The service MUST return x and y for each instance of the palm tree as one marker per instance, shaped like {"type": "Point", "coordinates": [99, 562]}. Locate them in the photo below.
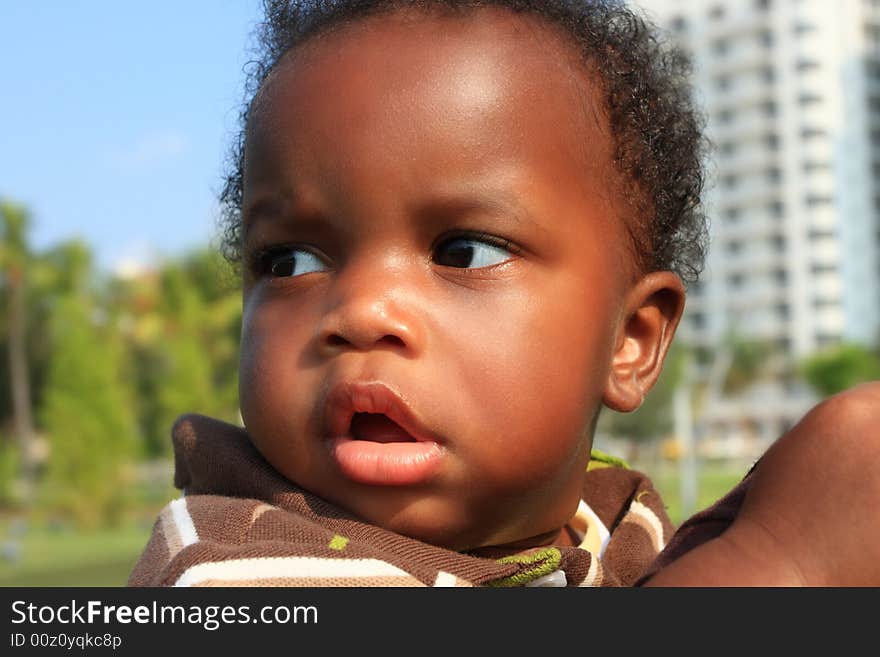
{"type": "Point", "coordinates": [14, 256]}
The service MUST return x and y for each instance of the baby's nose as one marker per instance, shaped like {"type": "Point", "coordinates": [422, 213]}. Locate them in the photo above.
{"type": "Point", "coordinates": [369, 312]}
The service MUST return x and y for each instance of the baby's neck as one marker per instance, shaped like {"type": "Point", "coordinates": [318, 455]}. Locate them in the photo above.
{"type": "Point", "coordinates": [558, 537]}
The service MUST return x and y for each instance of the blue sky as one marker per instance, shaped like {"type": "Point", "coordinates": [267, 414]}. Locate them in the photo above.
{"type": "Point", "coordinates": [115, 118]}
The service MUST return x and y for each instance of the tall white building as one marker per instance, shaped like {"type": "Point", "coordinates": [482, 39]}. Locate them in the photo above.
{"type": "Point", "coordinates": [791, 89]}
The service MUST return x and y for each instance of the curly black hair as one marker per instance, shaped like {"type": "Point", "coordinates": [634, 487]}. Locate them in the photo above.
{"type": "Point", "coordinates": [657, 133]}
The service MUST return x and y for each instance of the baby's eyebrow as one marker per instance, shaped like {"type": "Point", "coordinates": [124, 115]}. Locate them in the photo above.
{"type": "Point", "coordinates": [430, 207]}
{"type": "Point", "coordinates": [261, 209]}
{"type": "Point", "coordinates": [478, 200]}
{"type": "Point", "coordinates": [273, 207]}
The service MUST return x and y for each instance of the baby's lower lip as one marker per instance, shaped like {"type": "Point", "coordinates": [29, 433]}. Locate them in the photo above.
{"type": "Point", "coordinates": [386, 463]}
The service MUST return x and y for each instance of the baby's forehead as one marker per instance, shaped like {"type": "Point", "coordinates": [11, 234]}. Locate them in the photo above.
{"type": "Point", "coordinates": [485, 55]}
{"type": "Point", "coordinates": [485, 81]}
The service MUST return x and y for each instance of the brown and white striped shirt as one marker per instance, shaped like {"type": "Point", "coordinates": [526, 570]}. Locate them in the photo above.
{"type": "Point", "coordinates": [240, 523]}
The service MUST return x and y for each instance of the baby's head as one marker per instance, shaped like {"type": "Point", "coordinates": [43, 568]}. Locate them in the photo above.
{"type": "Point", "coordinates": [464, 227]}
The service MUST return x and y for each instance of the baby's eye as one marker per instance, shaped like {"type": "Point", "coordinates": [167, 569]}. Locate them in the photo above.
{"type": "Point", "coordinates": [292, 261]}
{"type": "Point", "coordinates": [472, 252]}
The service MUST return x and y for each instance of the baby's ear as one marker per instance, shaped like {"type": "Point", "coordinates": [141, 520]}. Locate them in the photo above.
{"type": "Point", "coordinates": [653, 309]}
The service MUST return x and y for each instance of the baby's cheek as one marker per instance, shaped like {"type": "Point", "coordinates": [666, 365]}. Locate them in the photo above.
{"type": "Point", "coordinates": [265, 378]}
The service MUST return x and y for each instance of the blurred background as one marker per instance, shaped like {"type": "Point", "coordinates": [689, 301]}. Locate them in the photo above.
{"type": "Point", "coordinates": [117, 314]}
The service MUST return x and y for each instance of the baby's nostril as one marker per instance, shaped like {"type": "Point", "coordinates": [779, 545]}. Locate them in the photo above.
{"type": "Point", "coordinates": [392, 340]}
{"type": "Point", "coordinates": [336, 340]}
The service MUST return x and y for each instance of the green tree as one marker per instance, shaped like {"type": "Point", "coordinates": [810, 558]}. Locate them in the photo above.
{"type": "Point", "coordinates": [14, 258]}
{"type": "Point", "coordinates": [87, 412]}
{"type": "Point", "coordinates": [840, 367]}
{"type": "Point", "coordinates": [183, 321]}
{"type": "Point", "coordinates": [653, 418]}
{"type": "Point", "coordinates": [750, 360]}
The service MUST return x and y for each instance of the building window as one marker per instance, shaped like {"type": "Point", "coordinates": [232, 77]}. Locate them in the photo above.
{"type": "Point", "coordinates": [717, 12]}
{"type": "Point", "coordinates": [825, 303]}
{"type": "Point", "coordinates": [803, 28]}
{"type": "Point", "coordinates": [780, 276]}
{"type": "Point", "coordinates": [821, 233]}
{"type": "Point", "coordinates": [783, 311]}
{"type": "Point", "coordinates": [776, 209]}
{"type": "Point", "coordinates": [810, 132]}
{"type": "Point", "coordinates": [773, 175]}
{"type": "Point", "coordinates": [679, 24]}
{"type": "Point", "coordinates": [821, 269]}
{"type": "Point", "coordinates": [778, 242]}
{"type": "Point", "coordinates": [735, 281]}
{"type": "Point", "coordinates": [722, 82]}
{"type": "Point", "coordinates": [728, 147]}
{"type": "Point", "coordinates": [730, 181]}
{"type": "Point", "coordinates": [732, 214]}
{"type": "Point", "coordinates": [812, 166]}
{"type": "Point", "coordinates": [762, 5]}
{"type": "Point", "coordinates": [771, 141]}
{"type": "Point", "coordinates": [720, 46]}
{"type": "Point", "coordinates": [804, 65]}
{"type": "Point", "coordinates": [815, 200]}
{"type": "Point", "coordinates": [734, 246]}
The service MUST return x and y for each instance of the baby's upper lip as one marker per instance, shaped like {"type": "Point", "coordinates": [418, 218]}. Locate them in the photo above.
{"type": "Point", "coordinates": [346, 398]}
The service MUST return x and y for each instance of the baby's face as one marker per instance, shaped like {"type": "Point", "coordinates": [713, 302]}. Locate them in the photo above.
{"type": "Point", "coordinates": [434, 275]}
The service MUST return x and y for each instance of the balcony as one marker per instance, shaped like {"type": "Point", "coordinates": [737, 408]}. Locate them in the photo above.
{"type": "Point", "coordinates": [824, 251]}
{"type": "Point", "coordinates": [756, 227]}
{"type": "Point", "coordinates": [828, 321]}
{"type": "Point", "coordinates": [752, 259]}
{"type": "Point", "coordinates": [750, 194]}
{"type": "Point", "coordinates": [817, 150]}
{"type": "Point", "coordinates": [764, 326]}
{"type": "Point", "coordinates": [739, 24]}
{"type": "Point", "coordinates": [747, 158]}
{"type": "Point", "coordinates": [745, 90]}
{"type": "Point", "coordinates": [746, 54]}
{"type": "Point", "coordinates": [752, 297]}
{"type": "Point", "coordinates": [825, 286]}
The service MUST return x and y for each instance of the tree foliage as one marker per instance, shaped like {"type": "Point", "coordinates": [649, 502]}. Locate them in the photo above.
{"type": "Point", "coordinates": [653, 418]}
{"type": "Point", "coordinates": [112, 360]}
{"type": "Point", "coordinates": [183, 323]}
{"type": "Point", "coordinates": [88, 416]}
{"type": "Point", "coordinates": [841, 367]}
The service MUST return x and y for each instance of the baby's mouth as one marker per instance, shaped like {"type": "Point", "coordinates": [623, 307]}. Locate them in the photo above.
{"type": "Point", "coordinates": [376, 439]}
{"type": "Point", "coordinates": [378, 428]}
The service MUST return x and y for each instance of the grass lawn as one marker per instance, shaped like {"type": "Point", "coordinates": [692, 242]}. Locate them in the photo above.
{"type": "Point", "coordinates": [64, 557]}
{"type": "Point", "coordinates": [714, 481]}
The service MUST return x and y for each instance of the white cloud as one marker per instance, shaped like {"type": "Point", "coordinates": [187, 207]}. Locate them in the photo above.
{"type": "Point", "coordinates": [134, 259]}
{"type": "Point", "coordinates": [150, 150]}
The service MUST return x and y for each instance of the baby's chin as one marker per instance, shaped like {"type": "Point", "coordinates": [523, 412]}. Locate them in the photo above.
{"type": "Point", "coordinates": [495, 544]}
{"type": "Point", "coordinates": [444, 524]}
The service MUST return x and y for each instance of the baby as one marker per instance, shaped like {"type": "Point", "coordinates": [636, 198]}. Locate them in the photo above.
{"type": "Point", "coordinates": [464, 229]}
